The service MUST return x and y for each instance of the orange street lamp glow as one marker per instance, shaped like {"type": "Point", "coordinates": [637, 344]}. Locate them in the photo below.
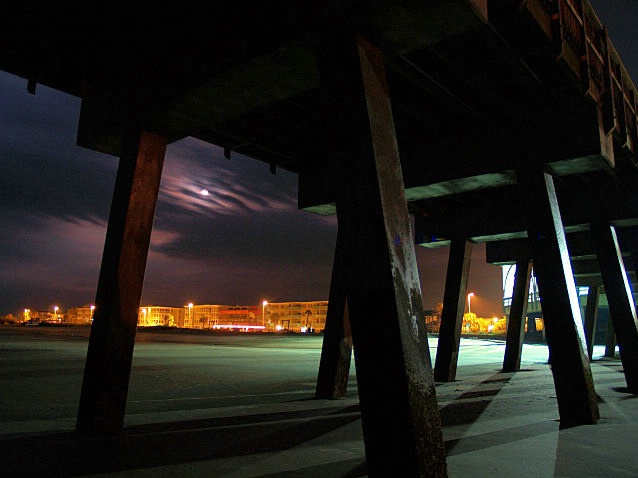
{"type": "Point", "coordinates": [469, 303]}
{"type": "Point", "coordinates": [190, 314]}
{"type": "Point", "coordinates": [263, 312]}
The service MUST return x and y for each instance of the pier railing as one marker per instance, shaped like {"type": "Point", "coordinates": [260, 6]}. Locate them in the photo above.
{"type": "Point", "coordinates": [583, 46]}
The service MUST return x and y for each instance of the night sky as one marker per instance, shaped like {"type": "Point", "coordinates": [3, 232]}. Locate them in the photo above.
{"type": "Point", "coordinates": [243, 242]}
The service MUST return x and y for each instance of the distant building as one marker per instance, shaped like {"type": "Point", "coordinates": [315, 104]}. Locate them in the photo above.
{"type": "Point", "coordinates": [432, 320]}
{"type": "Point", "coordinates": [296, 316]}
{"type": "Point", "coordinates": [216, 316]}
{"type": "Point", "coordinates": [37, 316]}
{"type": "Point", "coordinates": [160, 316]}
{"type": "Point", "coordinates": [270, 317]}
{"type": "Point", "coordinates": [238, 316]}
{"type": "Point", "coordinates": [79, 315]}
{"type": "Point", "coordinates": [299, 317]}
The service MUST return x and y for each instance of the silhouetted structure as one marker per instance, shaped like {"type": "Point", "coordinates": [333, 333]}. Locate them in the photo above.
{"type": "Point", "coordinates": [478, 116]}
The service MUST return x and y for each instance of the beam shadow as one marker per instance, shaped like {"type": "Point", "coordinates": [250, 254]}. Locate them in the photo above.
{"type": "Point", "coordinates": [68, 454]}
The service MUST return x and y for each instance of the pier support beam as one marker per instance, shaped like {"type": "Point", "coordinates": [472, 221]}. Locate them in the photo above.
{"type": "Point", "coordinates": [516, 319]}
{"type": "Point", "coordinates": [399, 411]}
{"type": "Point", "coordinates": [109, 356]}
{"type": "Point", "coordinates": [577, 400]}
{"type": "Point", "coordinates": [336, 350]}
{"type": "Point", "coordinates": [591, 314]}
{"type": "Point", "coordinates": [458, 270]}
{"type": "Point", "coordinates": [622, 310]}
{"type": "Point", "coordinates": [610, 339]}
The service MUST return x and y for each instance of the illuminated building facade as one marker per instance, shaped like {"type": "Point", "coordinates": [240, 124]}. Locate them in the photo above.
{"type": "Point", "coordinates": [238, 316]}
{"type": "Point", "coordinates": [201, 316]}
{"type": "Point", "coordinates": [215, 316]}
{"type": "Point", "coordinates": [270, 317]}
{"type": "Point", "coordinates": [46, 316]}
{"type": "Point", "coordinates": [296, 316]}
{"type": "Point", "coordinates": [300, 317]}
{"type": "Point", "coordinates": [160, 316]}
{"type": "Point", "coordinates": [79, 315]}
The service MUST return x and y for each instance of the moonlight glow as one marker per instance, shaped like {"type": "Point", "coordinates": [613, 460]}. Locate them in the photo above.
{"type": "Point", "coordinates": [204, 192]}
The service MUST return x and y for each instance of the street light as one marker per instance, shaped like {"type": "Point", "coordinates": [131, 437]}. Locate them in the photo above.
{"type": "Point", "coordinates": [469, 304]}
{"type": "Point", "coordinates": [92, 309]}
{"type": "Point", "coordinates": [263, 312]}
{"type": "Point", "coordinates": [190, 314]}
{"type": "Point", "coordinates": [55, 312]}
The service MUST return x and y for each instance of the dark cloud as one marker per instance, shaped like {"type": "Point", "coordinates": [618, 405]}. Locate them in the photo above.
{"type": "Point", "coordinates": [44, 172]}
{"type": "Point", "coordinates": [242, 242]}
